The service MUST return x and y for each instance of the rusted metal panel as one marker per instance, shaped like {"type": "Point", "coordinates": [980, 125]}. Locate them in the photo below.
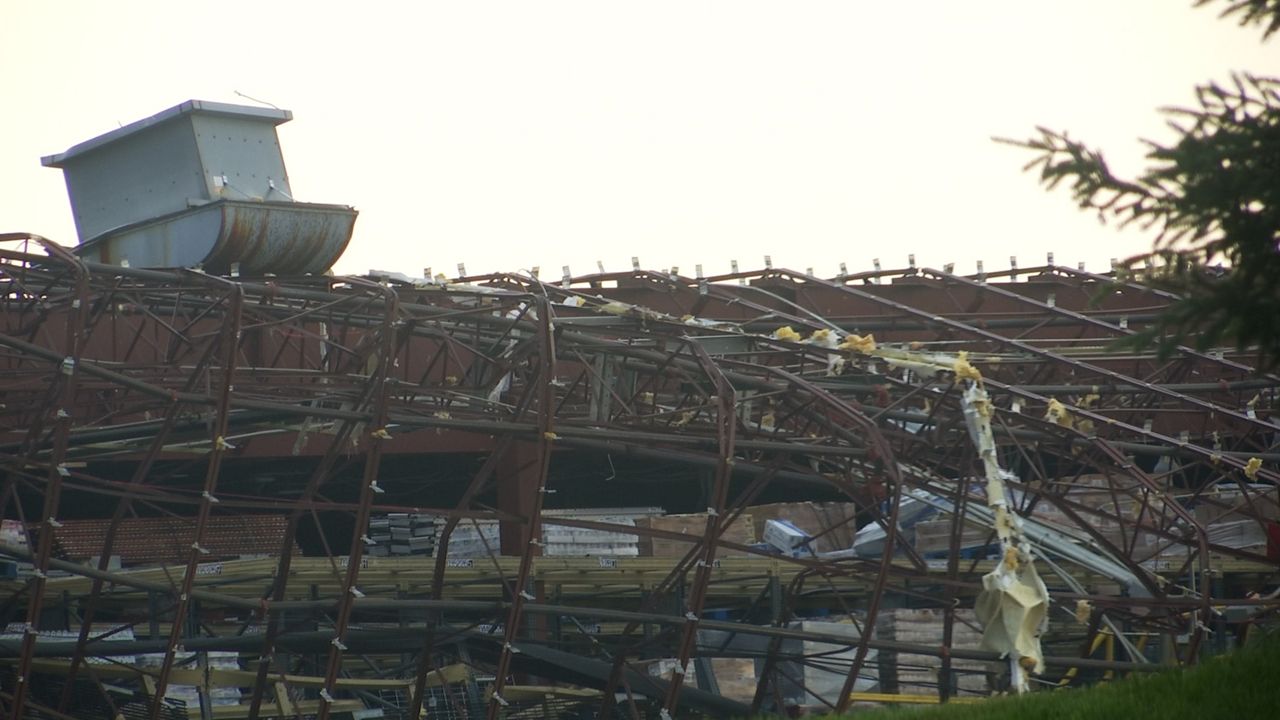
{"type": "Point", "coordinates": [283, 238]}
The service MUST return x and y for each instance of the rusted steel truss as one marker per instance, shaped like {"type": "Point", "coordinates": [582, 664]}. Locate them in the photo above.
{"type": "Point", "coordinates": [326, 400]}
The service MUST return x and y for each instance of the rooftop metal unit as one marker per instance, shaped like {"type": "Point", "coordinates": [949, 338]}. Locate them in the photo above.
{"type": "Point", "coordinates": [200, 184]}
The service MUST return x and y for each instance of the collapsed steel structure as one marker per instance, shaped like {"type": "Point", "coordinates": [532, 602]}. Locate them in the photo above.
{"type": "Point", "coordinates": [326, 399]}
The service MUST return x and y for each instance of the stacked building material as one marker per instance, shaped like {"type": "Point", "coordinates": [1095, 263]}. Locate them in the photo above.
{"type": "Point", "coordinates": [740, 531]}
{"type": "Point", "coordinates": [219, 696]}
{"type": "Point", "coordinates": [912, 674]}
{"type": "Point", "coordinates": [405, 534]}
{"type": "Point", "coordinates": [1239, 534]}
{"type": "Point", "coordinates": [1117, 497]}
{"type": "Point", "coordinates": [736, 678]}
{"type": "Point", "coordinates": [149, 541]}
{"type": "Point", "coordinates": [472, 538]}
{"type": "Point", "coordinates": [101, 632]}
{"type": "Point", "coordinates": [832, 524]}
{"type": "Point", "coordinates": [933, 538]}
{"type": "Point", "coordinates": [568, 541]}
{"type": "Point", "coordinates": [1231, 505]}
{"type": "Point", "coordinates": [817, 680]}
{"type": "Point", "coordinates": [13, 534]}
{"type": "Point", "coordinates": [809, 672]}
{"type": "Point", "coordinates": [402, 534]}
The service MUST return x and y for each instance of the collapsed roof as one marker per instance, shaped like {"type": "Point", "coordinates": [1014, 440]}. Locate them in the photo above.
{"type": "Point", "coordinates": [171, 391]}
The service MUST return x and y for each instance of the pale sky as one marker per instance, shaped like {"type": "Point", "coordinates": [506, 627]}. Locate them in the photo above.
{"type": "Point", "coordinates": [505, 135]}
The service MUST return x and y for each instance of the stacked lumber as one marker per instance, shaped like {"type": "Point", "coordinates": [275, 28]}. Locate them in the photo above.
{"type": "Point", "coordinates": [694, 525]}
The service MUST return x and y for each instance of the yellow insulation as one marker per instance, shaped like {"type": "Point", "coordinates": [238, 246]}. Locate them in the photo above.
{"type": "Point", "coordinates": [1083, 611]}
{"type": "Point", "coordinates": [964, 370]}
{"type": "Point", "coordinates": [865, 344]}
{"type": "Point", "coordinates": [786, 333]}
{"type": "Point", "coordinates": [1057, 413]}
{"type": "Point", "coordinates": [821, 337]}
{"type": "Point", "coordinates": [1252, 467]}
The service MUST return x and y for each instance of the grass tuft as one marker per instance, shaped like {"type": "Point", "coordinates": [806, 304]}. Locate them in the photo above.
{"type": "Point", "coordinates": [1238, 686]}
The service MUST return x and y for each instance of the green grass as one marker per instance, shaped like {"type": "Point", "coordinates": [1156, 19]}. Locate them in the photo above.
{"type": "Point", "coordinates": [1237, 686]}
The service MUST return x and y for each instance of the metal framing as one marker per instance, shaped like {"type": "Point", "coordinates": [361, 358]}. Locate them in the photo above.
{"type": "Point", "coordinates": [170, 392]}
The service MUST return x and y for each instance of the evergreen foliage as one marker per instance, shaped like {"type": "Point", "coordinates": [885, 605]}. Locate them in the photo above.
{"type": "Point", "coordinates": [1213, 199]}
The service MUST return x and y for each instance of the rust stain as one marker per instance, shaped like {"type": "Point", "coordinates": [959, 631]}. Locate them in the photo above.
{"type": "Point", "coordinates": [284, 239]}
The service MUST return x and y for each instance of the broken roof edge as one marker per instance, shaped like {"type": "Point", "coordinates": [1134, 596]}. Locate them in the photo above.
{"type": "Point", "coordinates": [274, 115]}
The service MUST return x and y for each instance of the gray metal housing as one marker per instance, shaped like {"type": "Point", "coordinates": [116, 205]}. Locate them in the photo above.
{"type": "Point", "coordinates": [185, 156]}
{"type": "Point", "coordinates": [200, 184]}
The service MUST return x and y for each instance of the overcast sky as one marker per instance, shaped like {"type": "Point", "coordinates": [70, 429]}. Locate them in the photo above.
{"type": "Point", "coordinates": [510, 134]}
